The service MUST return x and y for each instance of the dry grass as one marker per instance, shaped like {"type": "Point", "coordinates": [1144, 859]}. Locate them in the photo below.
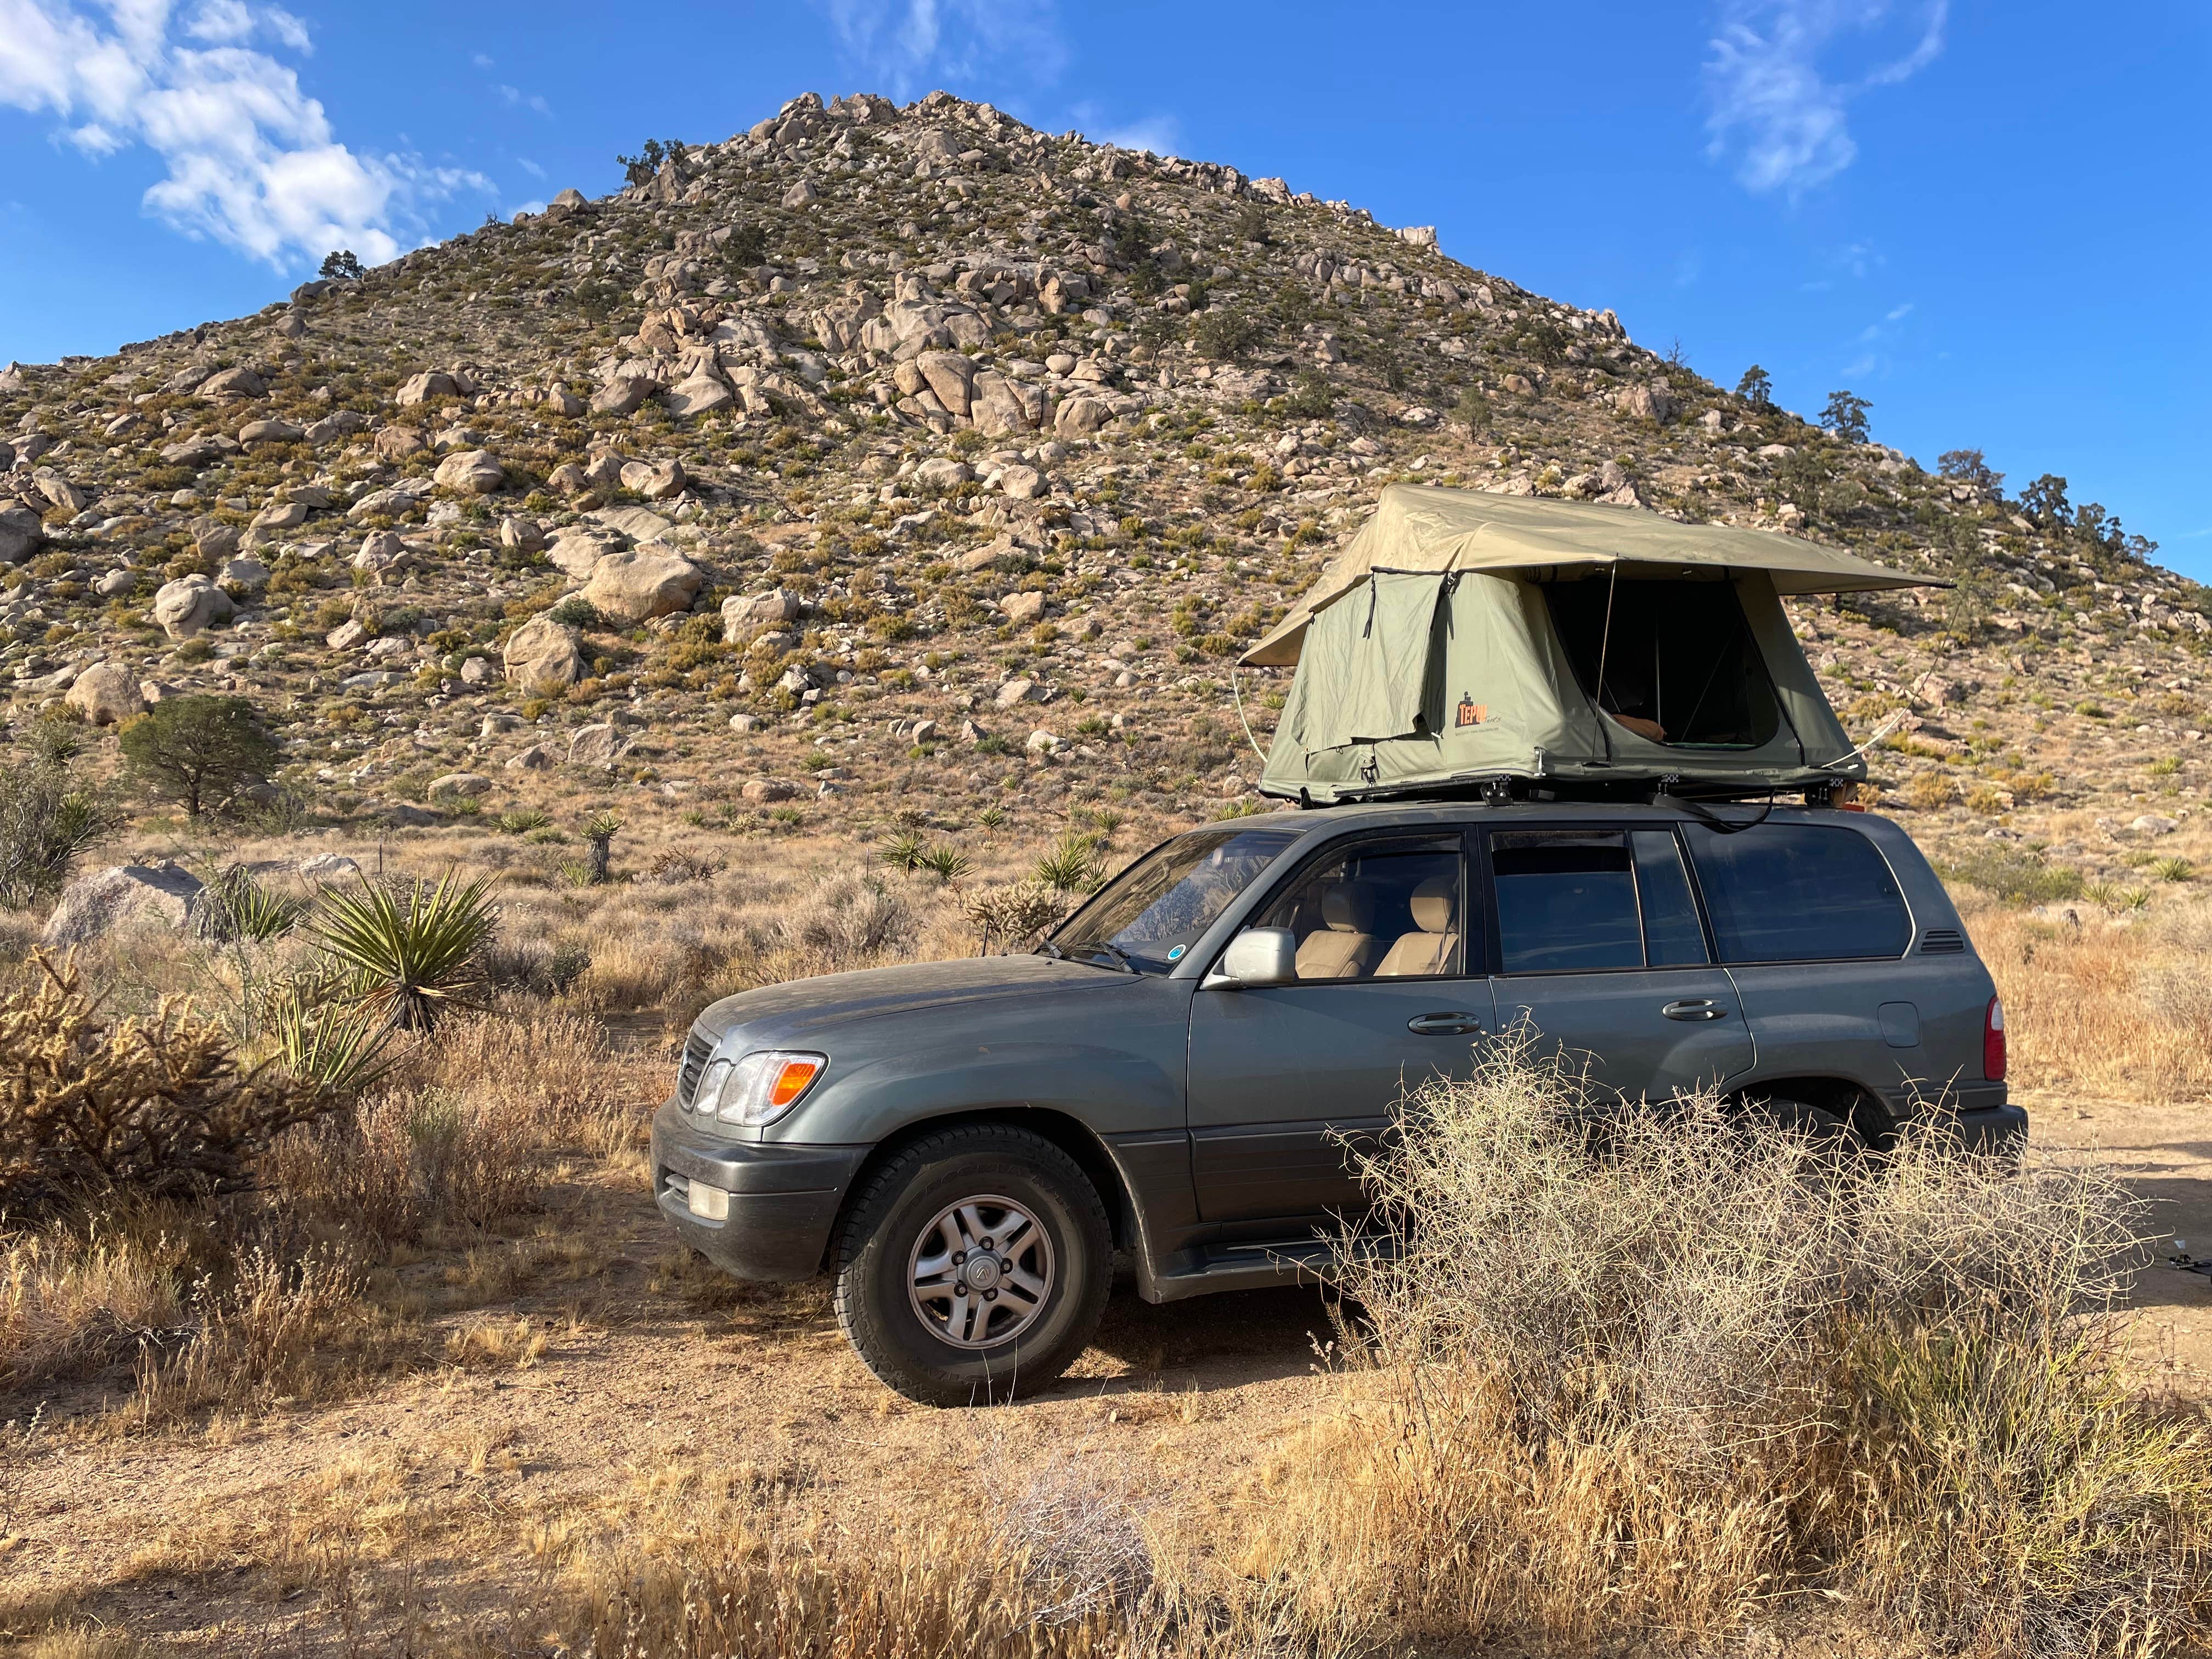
{"type": "Point", "coordinates": [2111, 1005]}
{"type": "Point", "coordinates": [76, 1296]}
{"type": "Point", "coordinates": [283, 1323]}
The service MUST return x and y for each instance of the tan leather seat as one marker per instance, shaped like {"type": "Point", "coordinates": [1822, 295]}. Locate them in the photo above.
{"type": "Point", "coordinates": [1342, 947]}
{"type": "Point", "coordinates": [1433, 945]}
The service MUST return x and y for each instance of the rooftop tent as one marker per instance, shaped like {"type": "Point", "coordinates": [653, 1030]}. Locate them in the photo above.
{"type": "Point", "coordinates": [1462, 636]}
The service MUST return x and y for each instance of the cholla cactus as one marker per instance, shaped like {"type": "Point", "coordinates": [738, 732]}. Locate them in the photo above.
{"type": "Point", "coordinates": [1014, 916]}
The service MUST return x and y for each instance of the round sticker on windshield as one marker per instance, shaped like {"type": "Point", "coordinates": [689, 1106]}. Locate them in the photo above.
{"type": "Point", "coordinates": [1175, 954]}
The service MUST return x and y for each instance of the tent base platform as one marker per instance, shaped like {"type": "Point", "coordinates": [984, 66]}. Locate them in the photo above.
{"type": "Point", "coordinates": [1498, 789]}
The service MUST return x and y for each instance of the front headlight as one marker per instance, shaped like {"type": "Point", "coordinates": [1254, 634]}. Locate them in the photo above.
{"type": "Point", "coordinates": [710, 1085]}
{"type": "Point", "coordinates": [757, 1089]}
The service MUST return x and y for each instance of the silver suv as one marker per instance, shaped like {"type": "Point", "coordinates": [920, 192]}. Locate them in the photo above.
{"type": "Point", "coordinates": [1178, 1071]}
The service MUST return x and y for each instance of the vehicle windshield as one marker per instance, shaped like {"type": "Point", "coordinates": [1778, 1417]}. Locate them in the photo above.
{"type": "Point", "coordinates": [1147, 917]}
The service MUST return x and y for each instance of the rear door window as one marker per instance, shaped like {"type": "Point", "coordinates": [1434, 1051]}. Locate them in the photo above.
{"type": "Point", "coordinates": [1575, 900]}
{"type": "Point", "coordinates": [1567, 901]}
{"type": "Point", "coordinates": [1798, 893]}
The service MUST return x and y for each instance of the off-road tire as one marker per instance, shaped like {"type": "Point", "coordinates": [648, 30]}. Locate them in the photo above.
{"type": "Point", "coordinates": [893, 1210]}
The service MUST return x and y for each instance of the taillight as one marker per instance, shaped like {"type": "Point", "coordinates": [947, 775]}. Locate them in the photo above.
{"type": "Point", "coordinates": [1993, 1043]}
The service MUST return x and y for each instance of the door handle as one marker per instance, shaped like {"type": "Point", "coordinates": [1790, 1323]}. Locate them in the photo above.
{"type": "Point", "coordinates": [1695, 1008]}
{"type": "Point", "coordinates": [1444, 1024]}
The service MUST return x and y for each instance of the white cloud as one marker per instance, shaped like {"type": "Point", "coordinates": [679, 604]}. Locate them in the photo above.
{"type": "Point", "coordinates": [1777, 101]}
{"type": "Point", "coordinates": [907, 43]}
{"type": "Point", "coordinates": [515, 98]}
{"type": "Point", "coordinates": [529, 166]}
{"type": "Point", "coordinates": [252, 159]}
{"type": "Point", "coordinates": [1159, 134]}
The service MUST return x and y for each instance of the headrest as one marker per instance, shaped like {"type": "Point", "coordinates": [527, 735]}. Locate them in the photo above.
{"type": "Point", "coordinates": [1434, 906]}
{"type": "Point", "coordinates": [1347, 909]}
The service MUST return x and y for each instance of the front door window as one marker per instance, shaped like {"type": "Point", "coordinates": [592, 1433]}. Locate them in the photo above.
{"type": "Point", "coordinates": [1388, 913]}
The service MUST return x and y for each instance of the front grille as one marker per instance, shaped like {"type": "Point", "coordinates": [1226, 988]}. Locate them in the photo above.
{"type": "Point", "coordinates": [1942, 942]}
{"type": "Point", "coordinates": [695, 1050]}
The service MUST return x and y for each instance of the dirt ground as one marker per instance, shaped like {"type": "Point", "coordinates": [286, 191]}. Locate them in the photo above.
{"type": "Point", "coordinates": [619, 1369]}
{"type": "Point", "coordinates": [2165, 1155]}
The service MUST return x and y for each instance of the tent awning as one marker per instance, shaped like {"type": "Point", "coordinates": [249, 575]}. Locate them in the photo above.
{"type": "Point", "coordinates": [1418, 527]}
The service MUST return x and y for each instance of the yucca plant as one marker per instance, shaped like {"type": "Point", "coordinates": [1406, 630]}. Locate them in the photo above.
{"type": "Point", "coordinates": [236, 905]}
{"type": "Point", "coordinates": [323, 1038]}
{"type": "Point", "coordinates": [412, 951]}
{"type": "Point", "coordinates": [599, 832]}
{"type": "Point", "coordinates": [903, 851]}
{"type": "Point", "coordinates": [992, 817]}
{"type": "Point", "coordinates": [1071, 865]}
{"type": "Point", "coordinates": [523, 820]}
{"type": "Point", "coordinates": [2173, 870]}
{"type": "Point", "coordinates": [946, 862]}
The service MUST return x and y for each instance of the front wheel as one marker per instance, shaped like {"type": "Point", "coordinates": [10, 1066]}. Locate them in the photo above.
{"type": "Point", "coordinates": [974, 1266]}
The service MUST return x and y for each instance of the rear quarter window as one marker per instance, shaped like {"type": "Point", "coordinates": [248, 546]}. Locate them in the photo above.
{"type": "Point", "coordinates": [1799, 893]}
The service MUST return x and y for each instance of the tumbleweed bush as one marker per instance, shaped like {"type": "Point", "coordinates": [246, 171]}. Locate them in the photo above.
{"type": "Point", "coordinates": [1658, 1377]}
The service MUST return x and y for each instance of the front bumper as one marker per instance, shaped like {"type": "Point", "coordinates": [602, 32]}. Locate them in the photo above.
{"type": "Point", "coordinates": [783, 1200]}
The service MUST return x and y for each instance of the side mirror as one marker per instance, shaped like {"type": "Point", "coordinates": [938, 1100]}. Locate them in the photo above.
{"type": "Point", "coordinates": [1257, 957]}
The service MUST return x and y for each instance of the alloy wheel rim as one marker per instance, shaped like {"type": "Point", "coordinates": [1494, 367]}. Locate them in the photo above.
{"type": "Point", "coordinates": [980, 1272]}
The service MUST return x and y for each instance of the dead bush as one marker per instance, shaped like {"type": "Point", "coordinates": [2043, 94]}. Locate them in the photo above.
{"type": "Point", "coordinates": [157, 1106]}
{"type": "Point", "coordinates": [1656, 1379]}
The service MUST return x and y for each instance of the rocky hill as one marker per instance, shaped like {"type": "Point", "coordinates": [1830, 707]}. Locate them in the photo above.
{"type": "Point", "coordinates": [887, 460]}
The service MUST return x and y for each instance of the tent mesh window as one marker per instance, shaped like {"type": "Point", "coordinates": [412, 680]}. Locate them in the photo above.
{"type": "Point", "coordinates": [1680, 663]}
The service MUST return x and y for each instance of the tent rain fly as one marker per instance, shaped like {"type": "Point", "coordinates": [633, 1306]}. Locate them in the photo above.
{"type": "Point", "coordinates": [1463, 636]}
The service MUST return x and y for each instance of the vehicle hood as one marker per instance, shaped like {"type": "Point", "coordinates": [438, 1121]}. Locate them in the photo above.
{"type": "Point", "coordinates": [807, 1012]}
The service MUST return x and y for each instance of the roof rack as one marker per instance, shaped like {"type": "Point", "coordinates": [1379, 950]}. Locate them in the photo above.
{"type": "Point", "coordinates": [1504, 789]}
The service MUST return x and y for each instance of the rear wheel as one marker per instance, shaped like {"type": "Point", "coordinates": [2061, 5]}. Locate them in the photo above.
{"type": "Point", "coordinates": [974, 1266]}
{"type": "Point", "coordinates": [1818, 1124]}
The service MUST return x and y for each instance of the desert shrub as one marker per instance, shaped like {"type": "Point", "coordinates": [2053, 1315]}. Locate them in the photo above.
{"type": "Point", "coordinates": [554, 1079]}
{"type": "Point", "coordinates": [48, 817]}
{"type": "Point", "coordinates": [79, 1294]}
{"type": "Point", "coordinates": [1658, 1377]}
{"type": "Point", "coordinates": [676, 866]}
{"type": "Point", "coordinates": [2017, 877]}
{"type": "Point", "coordinates": [452, 1137]}
{"type": "Point", "coordinates": [577, 611]}
{"type": "Point", "coordinates": [852, 920]}
{"type": "Point", "coordinates": [158, 1105]}
{"type": "Point", "coordinates": [534, 966]}
{"type": "Point", "coordinates": [1224, 336]}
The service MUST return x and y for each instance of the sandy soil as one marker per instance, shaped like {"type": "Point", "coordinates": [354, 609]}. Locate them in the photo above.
{"type": "Point", "coordinates": [342, 1527]}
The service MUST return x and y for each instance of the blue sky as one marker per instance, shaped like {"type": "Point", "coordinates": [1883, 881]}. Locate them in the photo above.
{"type": "Point", "coordinates": [1991, 221]}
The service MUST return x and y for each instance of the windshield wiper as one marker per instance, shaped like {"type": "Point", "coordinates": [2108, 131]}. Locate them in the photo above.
{"type": "Point", "coordinates": [1086, 954]}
